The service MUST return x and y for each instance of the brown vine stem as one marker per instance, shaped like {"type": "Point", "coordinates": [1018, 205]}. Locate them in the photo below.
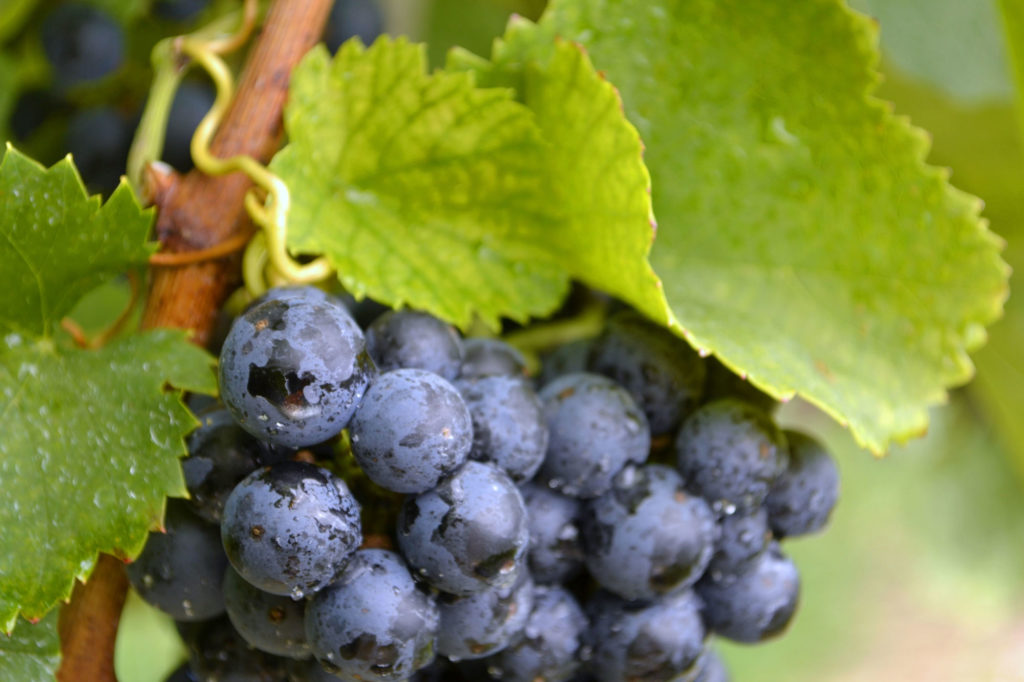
{"type": "Point", "coordinates": [196, 212]}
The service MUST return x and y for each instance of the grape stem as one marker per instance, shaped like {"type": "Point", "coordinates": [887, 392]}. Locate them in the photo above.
{"type": "Point", "coordinates": [78, 335]}
{"type": "Point", "coordinates": [547, 335]}
{"type": "Point", "coordinates": [195, 212]}
{"type": "Point", "coordinates": [270, 214]}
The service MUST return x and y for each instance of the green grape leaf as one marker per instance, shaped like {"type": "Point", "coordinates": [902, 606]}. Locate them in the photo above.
{"type": "Point", "coordinates": [602, 193]}
{"type": "Point", "coordinates": [56, 242]}
{"type": "Point", "coordinates": [802, 238]}
{"type": "Point", "coordinates": [90, 450]}
{"type": "Point", "coordinates": [32, 652]}
{"type": "Point", "coordinates": [429, 191]}
{"type": "Point", "coordinates": [91, 439]}
{"type": "Point", "coordinates": [420, 189]}
{"type": "Point", "coordinates": [982, 144]}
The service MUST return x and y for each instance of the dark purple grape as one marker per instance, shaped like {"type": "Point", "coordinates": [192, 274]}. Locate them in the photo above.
{"type": "Point", "coordinates": [183, 673]}
{"type": "Point", "coordinates": [268, 622]}
{"type": "Point", "coordinates": [407, 339]}
{"type": "Point", "coordinates": [469, 533]}
{"type": "Point", "coordinates": [647, 536]}
{"type": "Point", "coordinates": [595, 428]}
{"type": "Point", "coordinates": [302, 294]}
{"type": "Point", "coordinates": [293, 372]}
{"type": "Point", "coordinates": [661, 371]}
{"type": "Point", "coordinates": [180, 571]}
{"type": "Point", "coordinates": [551, 645]}
{"type": "Point", "coordinates": [487, 357]}
{"type": "Point", "coordinates": [350, 18]}
{"type": "Point", "coordinates": [32, 108]}
{"type": "Point", "coordinates": [802, 498]}
{"type": "Point", "coordinates": [757, 604]}
{"type": "Point", "coordinates": [710, 668]}
{"type": "Point", "coordinates": [742, 537]}
{"type": "Point", "coordinates": [217, 653]}
{"type": "Point", "coordinates": [82, 43]}
{"type": "Point", "coordinates": [411, 429]}
{"type": "Point", "coordinates": [509, 430]}
{"type": "Point", "coordinates": [723, 383]}
{"type": "Point", "coordinates": [483, 623]}
{"type": "Point", "coordinates": [374, 622]}
{"type": "Point", "coordinates": [730, 453]}
{"type": "Point", "coordinates": [289, 529]}
{"type": "Point", "coordinates": [657, 640]}
{"type": "Point", "coordinates": [221, 454]}
{"type": "Point", "coordinates": [98, 141]}
{"type": "Point", "coordinates": [556, 551]}
{"type": "Point", "coordinates": [572, 358]}
{"type": "Point", "coordinates": [179, 10]}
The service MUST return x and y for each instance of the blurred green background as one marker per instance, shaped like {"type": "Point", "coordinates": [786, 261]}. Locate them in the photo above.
{"type": "Point", "coordinates": [921, 574]}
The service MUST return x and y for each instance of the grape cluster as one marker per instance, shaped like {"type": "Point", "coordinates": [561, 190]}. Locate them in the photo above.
{"type": "Point", "coordinates": [401, 503]}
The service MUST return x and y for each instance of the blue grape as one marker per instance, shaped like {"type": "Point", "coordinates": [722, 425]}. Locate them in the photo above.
{"type": "Point", "coordinates": [710, 668]}
{"type": "Point", "coordinates": [303, 294]}
{"type": "Point", "coordinates": [32, 108]}
{"type": "Point", "coordinates": [661, 371]}
{"type": "Point", "coordinates": [757, 604]}
{"type": "Point", "coordinates": [82, 43]}
{"type": "Point", "coordinates": [657, 640]}
{"type": "Point", "coordinates": [407, 339]}
{"type": "Point", "coordinates": [411, 429]}
{"type": "Point", "coordinates": [309, 671]}
{"type": "Point", "coordinates": [469, 533]}
{"type": "Point", "coordinates": [293, 372]}
{"type": "Point", "coordinates": [551, 644]}
{"type": "Point", "coordinates": [742, 537]}
{"type": "Point", "coordinates": [595, 428]}
{"type": "Point", "coordinates": [217, 653]}
{"type": "Point", "coordinates": [556, 550]}
{"type": "Point", "coordinates": [350, 18]}
{"type": "Point", "coordinates": [483, 623]}
{"type": "Point", "coordinates": [647, 536]}
{"type": "Point", "coordinates": [571, 358]}
{"type": "Point", "coordinates": [183, 673]}
{"type": "Point", "coordinates": [289, 529]}
{"type": "Point", "coordinates": [221, 454]}
{"type": "Point", "coordinates": [98, 141]}
{"type": "Point", "coordinates": [487, 357]}
{"type": "Point", "coordinates": [374, 622]}
{"type": "Point", "coordinates": [268, 622]}
{"type": "Point", "coordinates": [442, 670]}
{"type": "Point", "coordinates": [730, 453]}
{"type": "Point", "coordinates": [508, 424]}
{"type": "Point", "coordinates": [179, 10]}
{"type": "Point", "coordinates": [723, 383]}
{"type": "Point", "coordinates": [802, 498]}
{"type": "Point", "coordinates": [365, 310]}
{"type": "Point", "coordinates": [180, 572]}
{"type": "Point", "coordinates": [191, 103]}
